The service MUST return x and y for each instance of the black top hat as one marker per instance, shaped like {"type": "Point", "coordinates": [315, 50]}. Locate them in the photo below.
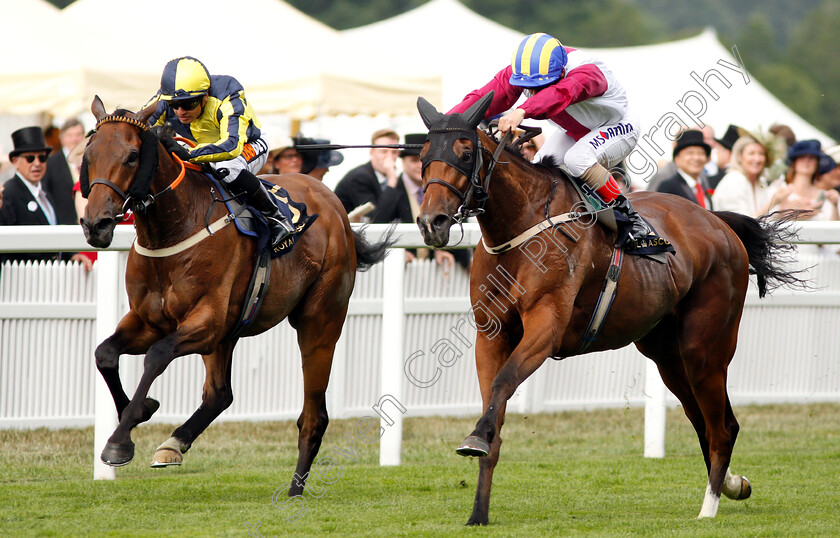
{"type": "Point", "coordinates": [414, 138]}
{"type": "Point", "coordinates": [28, 139]}
{"type": "Point", "coordinates": [805, 147]}
{"type": "Point", "coordinates": [691, 138]}
{"type": "Point", "coordinates": [732, 134]}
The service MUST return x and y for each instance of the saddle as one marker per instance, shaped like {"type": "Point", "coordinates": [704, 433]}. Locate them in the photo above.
{"type": "Point", "coordinates": [251, 222]}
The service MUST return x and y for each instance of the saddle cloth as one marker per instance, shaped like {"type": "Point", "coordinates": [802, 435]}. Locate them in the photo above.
{"type": "Point", "coordinates": [251, 222]}
{"type": "Point", "coordinates": [649, 246]}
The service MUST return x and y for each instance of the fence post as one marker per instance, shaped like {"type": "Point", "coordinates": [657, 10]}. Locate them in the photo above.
{"type": "Point", "coordinates": [654, 395]}
{"type": "Point", "coordinates": [107, 316]}
{"type": "Point", "coordinates": [391, 352]}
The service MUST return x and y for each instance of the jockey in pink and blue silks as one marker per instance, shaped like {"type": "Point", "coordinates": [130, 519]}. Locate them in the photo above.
{"type": "Point", "coordinates": [580, 95]}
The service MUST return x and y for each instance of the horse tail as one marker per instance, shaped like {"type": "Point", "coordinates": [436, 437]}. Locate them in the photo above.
{"type": "Point", "coordinates": [369, 254]}
{"type": "Point", "coordinates": [768, 241]}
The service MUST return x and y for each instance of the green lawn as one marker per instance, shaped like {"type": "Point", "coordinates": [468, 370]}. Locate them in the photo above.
{"type": "Point", "coordinates": [560, 474]}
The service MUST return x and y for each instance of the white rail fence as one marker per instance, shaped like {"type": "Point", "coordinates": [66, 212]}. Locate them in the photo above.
{"type": "Point", "coordinates": [408, 352]}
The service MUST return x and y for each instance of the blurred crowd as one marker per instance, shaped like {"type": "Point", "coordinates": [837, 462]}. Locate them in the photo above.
{"type": "Point", "coordinates": [749, 172]}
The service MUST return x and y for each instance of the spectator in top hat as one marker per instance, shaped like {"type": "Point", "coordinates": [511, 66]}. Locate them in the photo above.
{"type": "Point", "coordinates": [25, 202]}
{"type": "Point", "coordinates": [58, 181]}
{"type": "Point", "coordinates": [723, 154]}
{"type": "Point", "coordinates": [691, 153]}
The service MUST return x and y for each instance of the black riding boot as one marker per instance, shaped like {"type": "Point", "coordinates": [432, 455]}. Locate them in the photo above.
{"type": "Point", "coordinates": [638, 227]}
{"type": "Point", "coordinates": [279, 227]}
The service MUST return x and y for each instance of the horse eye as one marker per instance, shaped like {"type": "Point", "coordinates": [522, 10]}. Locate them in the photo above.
{"type": "Point", "coordinates": [132, 157]}
{"type": "Point", "coordinates": [467, 156]}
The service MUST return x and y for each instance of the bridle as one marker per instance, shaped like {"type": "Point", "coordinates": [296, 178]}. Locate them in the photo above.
{"type": "Point", "coordinates": [477, 188]}
{"type": "Point", "coordinates": [141, 198]}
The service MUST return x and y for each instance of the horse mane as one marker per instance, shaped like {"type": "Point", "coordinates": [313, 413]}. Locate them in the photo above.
{"type": "Point", "coordinates": [547, 164]}
{"type": "Point", "coordinates": [164, 133]}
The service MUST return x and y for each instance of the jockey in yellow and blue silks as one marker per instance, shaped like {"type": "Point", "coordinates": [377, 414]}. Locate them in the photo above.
{"type": "Point", "coordinates": [212, 112]}
{"type": "Point", "coordinates": [580, 95]}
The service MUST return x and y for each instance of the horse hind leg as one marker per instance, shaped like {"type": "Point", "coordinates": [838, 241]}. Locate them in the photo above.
{"type": "Point", "coordinates": [317, 341]}
{"type": "Point", "coordinates": [663, 348]}
{"type": "Point", "coordinates": [215, 398]}
{"type": "Point", "coordinates": [707, 340]}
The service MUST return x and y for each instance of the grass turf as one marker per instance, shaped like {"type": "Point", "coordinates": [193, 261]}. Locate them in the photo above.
{"type": "Point", "coordinates": [573, 473]}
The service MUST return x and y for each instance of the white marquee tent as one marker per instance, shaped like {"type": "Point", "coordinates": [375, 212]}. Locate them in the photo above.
{"type": "Point", "coordinates": [35, 74]}
{"type": "Point", "coordinates": [288, 62]}
{"type": "Point", "coordinates": [467, 50]}
{"type": "Point", "coordinates": [348, 83]}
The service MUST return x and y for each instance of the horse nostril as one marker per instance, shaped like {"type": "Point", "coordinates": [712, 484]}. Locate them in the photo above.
{"type": "Point", "coordinates": [104, 225]}
{"type": "Point", "coordinates": [440, 221]}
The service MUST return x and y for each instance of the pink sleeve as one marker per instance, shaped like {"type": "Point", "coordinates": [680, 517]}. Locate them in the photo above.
{"type": "Point", "coordinates": [505, 95]}
{"type": "Point", "coordinates": [580, 84]}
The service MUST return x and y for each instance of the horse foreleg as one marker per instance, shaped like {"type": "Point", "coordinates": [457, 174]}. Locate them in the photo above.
{"type": "Point", "coordinates": [490, 355]}
{"type": "Point", "coordinates": [131, 336]}
{"type": "Point", "coordinates": [189, 338]}
{"type": "Point", "coordinates": [486, 466]}
{"type": "Point", "coordinates": [215, 398]}
{"type": "Point", "coordinates": [530, 354]}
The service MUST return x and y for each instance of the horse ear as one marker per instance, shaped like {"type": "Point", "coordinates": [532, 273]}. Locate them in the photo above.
{"type": "Point", "coordinates": [427, 112]}
{"type": "Point", "coordinates": [144, 115]}
{"type": "Point", "coordinates": [475, 113]}
{"type": "Point", "coordinates": [97, 108]}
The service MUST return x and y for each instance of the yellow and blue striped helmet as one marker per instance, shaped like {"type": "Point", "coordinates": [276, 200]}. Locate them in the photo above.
{"type": "Point", "coordinates": [537, 61]}
{"type": "Point", "coordinates": [183, 78]}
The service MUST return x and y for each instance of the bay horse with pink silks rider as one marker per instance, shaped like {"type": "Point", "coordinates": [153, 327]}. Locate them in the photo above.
{"type": "Point", "coordinates": [680, 310]}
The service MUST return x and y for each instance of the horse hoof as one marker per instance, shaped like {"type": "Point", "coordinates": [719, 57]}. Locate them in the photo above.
{"type": "Point", "coordinates": [165, 457]}
{"type": "Point", "coordinates": [474, 446]}
{"type": "Point", "coordinates": [746, 489]}
{"type": "Point", "coordinates": [117, 455]}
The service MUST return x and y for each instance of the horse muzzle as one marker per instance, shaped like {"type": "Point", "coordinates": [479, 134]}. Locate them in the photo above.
{"type": "Point", "coordinates": [435, 229]}
{"type": "Point", "coordinates": [100, 232]}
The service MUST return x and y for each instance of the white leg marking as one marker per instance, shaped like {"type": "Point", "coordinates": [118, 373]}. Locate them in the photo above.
{"type": "Point", "coordinates": [710, 504]}
{"type": "Point", "coordinates": [732, 485]}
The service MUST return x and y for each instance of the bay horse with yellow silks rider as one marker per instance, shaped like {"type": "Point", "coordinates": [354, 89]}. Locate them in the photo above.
{"type": "Point", "coordinates": [188, 280]}
{"type": "Point", "coordinates": [537, 280]}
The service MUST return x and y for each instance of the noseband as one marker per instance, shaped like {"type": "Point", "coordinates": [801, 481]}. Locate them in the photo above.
{"type": "Point", "coordinates": [477, 188]}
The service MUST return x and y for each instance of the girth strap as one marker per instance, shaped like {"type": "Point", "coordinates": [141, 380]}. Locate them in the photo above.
{"type": "Point", "coordinates": [605, 300]}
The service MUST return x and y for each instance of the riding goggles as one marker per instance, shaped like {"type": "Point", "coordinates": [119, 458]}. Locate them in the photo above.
{"type": "Point", "coordinates": [186, 104]}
